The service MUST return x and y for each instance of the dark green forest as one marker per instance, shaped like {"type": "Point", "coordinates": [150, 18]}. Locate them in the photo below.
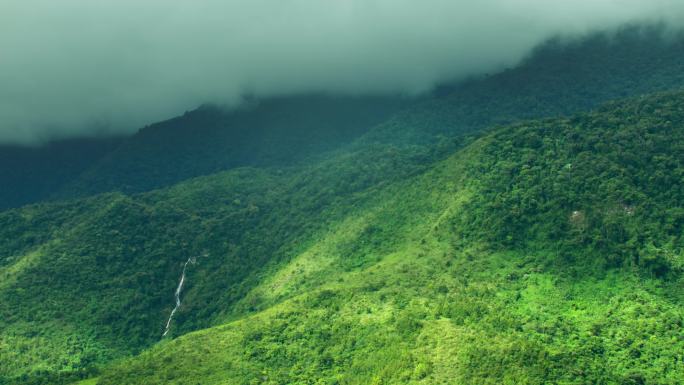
{"type": "Point", "coordinates": [524, 227]}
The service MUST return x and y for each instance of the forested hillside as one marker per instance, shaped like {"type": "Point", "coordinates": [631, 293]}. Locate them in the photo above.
{"type": "Point", "coordinates": [521, 228]}
{"type": "Point", "coordinates": [546, 252]}
{"type": "Point", "coordinates": [262, 133]}
{"type": "Point", "coordinates": [539, 246]}
{"type": "Point", "coordinates": [30, 174]}
{"type": "Point", "coordinates": [561, 77]}
{"type": "Point", "coordinates": [109, 264]}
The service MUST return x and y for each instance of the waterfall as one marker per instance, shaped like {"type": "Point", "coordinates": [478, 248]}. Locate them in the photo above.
{"type": "Point", "coordinates": [177, 295]}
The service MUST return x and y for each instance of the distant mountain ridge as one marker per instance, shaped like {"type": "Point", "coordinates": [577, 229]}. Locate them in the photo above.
{"type": "Point", "coordinates": [32, 174]}
{"type": "Point", "coordinates": [549, 251]}
{"type": "Point", "coordinates": [521, 228]}
{"type": "Point", "coordinates": [274, 131]}
{"type": "Point", "coordinates": [560, 78]}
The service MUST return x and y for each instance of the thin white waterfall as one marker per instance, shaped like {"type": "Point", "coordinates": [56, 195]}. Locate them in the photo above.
{"type": "Point", "coordinates": [177, 295]}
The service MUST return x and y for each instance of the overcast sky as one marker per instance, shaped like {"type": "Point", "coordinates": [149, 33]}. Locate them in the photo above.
{"type": "Point", "coordinates": [73, 66]}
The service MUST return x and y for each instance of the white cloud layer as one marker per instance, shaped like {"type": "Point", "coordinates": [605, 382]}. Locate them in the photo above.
{"type": "Point", "coordinates": [70, 66]}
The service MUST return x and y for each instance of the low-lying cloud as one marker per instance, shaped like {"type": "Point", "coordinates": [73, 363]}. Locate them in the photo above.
{"type": "Point", "coordinates": [71, 67]}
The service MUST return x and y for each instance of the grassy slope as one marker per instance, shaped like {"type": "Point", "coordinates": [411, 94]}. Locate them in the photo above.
{"type": "Point", "coordinates": [88, 281]}
{"type": "Point", "coordinates": [426, 281]}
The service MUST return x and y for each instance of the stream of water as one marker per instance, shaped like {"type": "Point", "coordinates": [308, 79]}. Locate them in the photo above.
{"type": "Point", "coordinates": [179, 289]}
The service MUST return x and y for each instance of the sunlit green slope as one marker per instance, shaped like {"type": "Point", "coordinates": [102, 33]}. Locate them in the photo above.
{"type": "Point", "coordinates": [547, 252]}
{"type": "Point", "coordinates": [86, 281]}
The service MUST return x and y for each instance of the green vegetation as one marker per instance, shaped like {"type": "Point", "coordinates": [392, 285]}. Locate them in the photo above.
{"type": "Point", "coordinates": [101, 271]}
{"type": "Point", "coordinates": [559, 79]}
{"type": "Point", "coordinates": [605, 186]}
{"type": "Point", "coordinates": [31, 174]}
{"type": "Point", "coordinates": [545, 252]}
{"type": "Point", "coordinates": [449, 277]}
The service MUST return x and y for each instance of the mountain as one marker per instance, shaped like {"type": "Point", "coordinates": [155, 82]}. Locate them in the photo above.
{"type": "Point", "coordinates": [262, 132]}
{"type": "Point", "coordinates": [558, 79]}
{"type": "Point", "coordinates": [279, 131]}
{"type": "Point", "coordinates": [30, 174]}
{"type": "Point", "coordinates": [545, 252]}
{"type": "Point", "coordinates": [92, 277]}
{"type": "Point", "coordinates": [456, 240]}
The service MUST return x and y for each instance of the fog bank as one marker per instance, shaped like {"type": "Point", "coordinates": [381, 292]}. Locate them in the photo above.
{"type": "Point", "coordinates": [73, 67]}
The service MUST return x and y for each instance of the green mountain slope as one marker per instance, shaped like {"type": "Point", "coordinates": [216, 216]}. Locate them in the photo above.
{"type": "Point", "coordinates": [558, 79]}
{"type": "Point", "coordinates": [31, 174]}
{"type": "Point", "coordinates": [273, 131]}
{"type": "Point", "coordinates": [547, 252]}
{"type": "Point", "coordinates": [98, 273]}
{"type": "Point", "coordinates": [543, 252]}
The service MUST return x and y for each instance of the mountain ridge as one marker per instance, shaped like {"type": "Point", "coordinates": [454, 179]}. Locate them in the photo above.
{"type": "Point", "coordinates": [454, 306]}
{"type": "Point", "coordinates": [559, 78]}
{"type": "Point", "coordinates": [427, 249]}
{"type": "Point", "coordinates": [387, 244]}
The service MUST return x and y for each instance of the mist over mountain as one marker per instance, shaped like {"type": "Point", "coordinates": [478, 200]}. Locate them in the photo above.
{"type": "Point", "coordinates": [383, 192]}
{"type": "Point", "coordinates": [560, 78]}
{"type": "Point", "coordinates": [73, 67]}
